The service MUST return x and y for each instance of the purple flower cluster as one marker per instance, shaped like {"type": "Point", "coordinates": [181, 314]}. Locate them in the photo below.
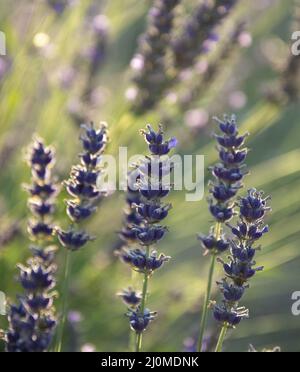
{"type": "Point", "coordinates": [58, 6]}
{"type": "Point", "coordinates": [132, 218]}
{"type": "Point", "coordinates": [228, 177]}
{"type": "Point", "coordinates": [147, 211]}
{"type": "Point", "coordinates": [130, 297]}
{"type": "Point", "coordinates": [83, 186]}
{"type": "Point", "coordinates": [241, 267]}
{"type": "Point", "coordinates": [89, 63]}
{"type": "Point", "coordinates": [203, 78]}
{"type": "Point", "coordinates": [32, 322]}
{"type": "Point", "coordinates": [98, 52]}
{"type": "Point", "coordinates": [198, 29]}
{"type": "Point", "coordinates": [139, 321]}
{"type": "Point", "coordinates": [149, 64]}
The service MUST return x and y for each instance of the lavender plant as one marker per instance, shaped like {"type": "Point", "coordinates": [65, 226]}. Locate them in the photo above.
{"type": "Point", "coordinates": [201, 82]}
{"type": "Point", "coordinates": [241, 266]}
{"type": "Point", "coordinates": [152, 211]}
{"type": "Point", "coordinates": [97, 53]}
{"type": "Point", "coordinates": [94, 58]}
{"type": "Point", "coordinates": [198, 29]}
{"type": "Point", "coordinates": [32, 320]}
{"type": "Point", "coordinates": [228, 176]}
{"type": "Point", "coordinates": [58, 6]}
{"type": "Point", "coordinates": [287, 88]}
{"type": "Point", "coordinates": [131, 215]}
{"type": "Point", "coordinates": [85, 194]}
{"type": "Point", "coordinates": [150, 64]}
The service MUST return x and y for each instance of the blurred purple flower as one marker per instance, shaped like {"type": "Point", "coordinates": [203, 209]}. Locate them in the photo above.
{"type": "Point", "coordinates": [66, 77]}
{"type": "Point", "coordinates": [237, 100]}
{"type": "Point", "coordinates": [196, 119]}
{"type": "Point", "coordinates": [74, 317]}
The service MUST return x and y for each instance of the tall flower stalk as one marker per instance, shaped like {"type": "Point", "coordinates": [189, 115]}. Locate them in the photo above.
{"type": "Point", "coordinates": [200, 82]}
{"type": "Point", "coordinates": [241, 266]}
{"type": "Point", "coordinates": [199, 28]}
{"type": "Point", "coordinates": [130, 296]}
{"type": "Point", "coordinates": [83, 187]}
{"type": "Point", "coordinates": [228, 176]}
{"type": "Point", "coordinates": [151, 184]}
{"type": "Point", "coordinates": [32, 321]}
{"type": "Point", "coordinates": [150, 64]}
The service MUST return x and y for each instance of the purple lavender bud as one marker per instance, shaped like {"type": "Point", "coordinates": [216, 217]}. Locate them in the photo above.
{"type": "Point", "coordinates": [150, 235]}
{"type": "Point", "coordinates": [40, 230]}
{"type": "Point", "coordinates": [131, 297]}
{"type": "Point", "coordinates": [36, 278]}
{"type": "Point", "coordinates": [221, 213]}
{"type": "Point", "coordinates": [139, 261]}
{"type": "Point", "coordinates": [79, 213]}
{"type": "Point", "coordinates": [73, 240]}
{"type": "Point", "coordinates": [41, 208]}
{"type": "Point", "coordinates": [231, 316]}
{"type": "Point", "coordinates": [157, 145]}
{"type": "Point", "coordinates": [152, 212]}
{"type": "Point", "coordinates": [139, 322]}
{"type": "Point", "coordinates": [232, 293]}
{"type": "Point", "coordinates": [254, 207]}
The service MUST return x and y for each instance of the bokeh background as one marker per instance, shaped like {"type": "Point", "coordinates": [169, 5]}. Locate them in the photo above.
{"type": "Point", "coordinates": [42, 80]}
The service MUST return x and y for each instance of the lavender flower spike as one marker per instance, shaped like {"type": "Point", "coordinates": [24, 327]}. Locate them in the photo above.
{"type": "Point", "coordinates": [85, 195]}
{"type": "Point", "coordinates": [82, 186]}
{"type": "Point", "coordinates": [228, 177]}
{"type": "Point", "coordinates": [32, 321]}
{"type": "Point", "coordinates": [200, 28]}
{"type": "Point", "coordinates": [241, 266]}
{"type": "Point", "coordinates": [148, 230]}
{"type": "Point", "coordinates": [149, 64]}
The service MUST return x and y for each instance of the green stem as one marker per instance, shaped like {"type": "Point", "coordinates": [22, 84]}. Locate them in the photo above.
{"type": "Point", "coordinates": [132, 340]}
{"type": "Point", "coordinates": [139, 336]}
{"type": "Point", "coordinates": [218, 231]}
{"type": "Point", "coordinates": [64, 301]}
{"type": "Point", "coordinates": [132, 334]}
{"type": "Point", "coordinates": [221, 340]}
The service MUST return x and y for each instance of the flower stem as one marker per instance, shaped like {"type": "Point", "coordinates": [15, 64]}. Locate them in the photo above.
{"type": "Point", "coordinates": [139, 335]}
{"type": "Point", "coordinates": [218, 230]}
{"type": "Point", "coordinates": [132, 334]}
{"type": "Point", "coordinates": [64, 300]}
{"type": "Point", "coordinates": [221, 340]}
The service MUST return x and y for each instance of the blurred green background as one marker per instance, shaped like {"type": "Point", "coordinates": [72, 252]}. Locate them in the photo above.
{"type": "Point", "coordinates": [41, 46]}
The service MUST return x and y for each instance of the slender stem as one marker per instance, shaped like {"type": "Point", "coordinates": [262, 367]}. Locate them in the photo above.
{"type": "Point", "coordinates": [132, 334]}
{"type": "Point", "coordinates": [221, 340]}
{"type": "Point", "coordinates": [139, 336]}
{"type": "Point", "coordinates": [132, 341]}
{"type": "Point", "coordinates": [64, 300]}
{"type": "Point", "coordinates": [206, 302]}
{"type": "Point", "coordinates": [218, 230]}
